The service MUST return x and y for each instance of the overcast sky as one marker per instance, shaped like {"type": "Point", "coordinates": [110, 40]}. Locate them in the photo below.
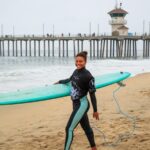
{"type": "Point", "coordinates": [28, 16]}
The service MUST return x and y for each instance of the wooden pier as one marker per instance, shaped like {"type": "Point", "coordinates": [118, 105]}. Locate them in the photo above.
{"type": "Point", "coordinates": [99, 46]}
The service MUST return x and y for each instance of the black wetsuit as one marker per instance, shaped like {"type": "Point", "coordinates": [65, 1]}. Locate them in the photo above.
{"type": "Point", "coordinates": [82, 82]}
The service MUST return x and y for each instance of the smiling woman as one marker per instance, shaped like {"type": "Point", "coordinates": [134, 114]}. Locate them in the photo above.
{"type": "Point", "coordinates": [82, 82]}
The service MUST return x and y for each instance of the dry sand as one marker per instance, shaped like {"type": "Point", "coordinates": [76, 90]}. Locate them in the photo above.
{"type": "Point", "coordinates": [41, 125]}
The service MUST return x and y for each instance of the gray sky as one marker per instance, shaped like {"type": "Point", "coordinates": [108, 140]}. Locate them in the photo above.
{"type": "Point", "coordinates": [28, 16]}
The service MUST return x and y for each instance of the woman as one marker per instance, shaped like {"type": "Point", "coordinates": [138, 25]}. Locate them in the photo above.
{"type": "Point", "coordinates": [82, 82]}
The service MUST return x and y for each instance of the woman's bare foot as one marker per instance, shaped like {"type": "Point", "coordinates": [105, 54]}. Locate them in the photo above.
{"type": "Point", "coordinates": [94, 148]}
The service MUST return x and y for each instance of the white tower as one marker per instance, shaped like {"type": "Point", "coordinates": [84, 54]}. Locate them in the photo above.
{"type": "Point", "coordinates": [118, 22]}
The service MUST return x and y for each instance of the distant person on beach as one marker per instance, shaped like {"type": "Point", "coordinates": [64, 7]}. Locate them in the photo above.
{"type": "Point", "coordinates": [82, 82]}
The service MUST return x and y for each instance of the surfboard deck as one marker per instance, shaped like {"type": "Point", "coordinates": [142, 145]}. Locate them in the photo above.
{"type": "Point", "coordinates": [57, 90]}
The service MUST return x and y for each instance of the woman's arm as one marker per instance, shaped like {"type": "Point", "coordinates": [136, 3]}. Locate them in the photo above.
{"type": "Point", "coordinates": [64, 81]}
{"type": "Point", "coordinates": [92, 91]}
{"type": "Point", "coordinates": [94, 104]}
{"type": "Point", "coordinates": [93, 101]}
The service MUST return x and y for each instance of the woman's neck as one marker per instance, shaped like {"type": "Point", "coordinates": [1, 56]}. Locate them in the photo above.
{"type": "Point", "coordinates": [81, 68]}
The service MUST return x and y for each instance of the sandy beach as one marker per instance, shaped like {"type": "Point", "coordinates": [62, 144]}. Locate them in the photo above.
{"type": "Point", "coordinates": [41, 125]}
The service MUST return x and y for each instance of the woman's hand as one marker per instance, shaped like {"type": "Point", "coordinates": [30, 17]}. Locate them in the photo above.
{"type": "Point", "coordinates": [56, 82]}
{"type": "Point", "coordinates": [96, 115]}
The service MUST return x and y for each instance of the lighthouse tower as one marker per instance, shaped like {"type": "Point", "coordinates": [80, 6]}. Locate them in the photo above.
{"type": "Point", "coordinates": [118, 22]}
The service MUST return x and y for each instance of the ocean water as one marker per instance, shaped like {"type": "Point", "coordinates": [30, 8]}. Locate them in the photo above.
{"type": "Point", "coordinates": [30, 72]}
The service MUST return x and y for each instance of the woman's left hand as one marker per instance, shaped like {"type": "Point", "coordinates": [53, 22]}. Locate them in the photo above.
{"type": "Point", "coordinates": [96, 115]}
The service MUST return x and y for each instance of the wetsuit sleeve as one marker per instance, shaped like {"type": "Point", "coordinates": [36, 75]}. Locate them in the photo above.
{"type": "Point", "coordinates": [92, 91]}
{"type": "Point", "coordinates": [64, 81]}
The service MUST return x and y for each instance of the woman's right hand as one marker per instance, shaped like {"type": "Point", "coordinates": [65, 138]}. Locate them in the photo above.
{"type": "Point", "coordinates": [56, 82]}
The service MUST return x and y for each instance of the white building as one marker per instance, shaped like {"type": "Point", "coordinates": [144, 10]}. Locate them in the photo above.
{"type": "Point", "coordinates": [118, 22]}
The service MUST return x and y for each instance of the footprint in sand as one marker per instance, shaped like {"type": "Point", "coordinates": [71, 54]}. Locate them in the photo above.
{"type": "Point", "coordinates": [43, 145]}
{"type": "Point", "coordinates": [2, 144]}
{"type": "Point", "coordinates": [60, 134]}
{"type": "Point", "coordinates": [131, 110]}
{"type": "Point", "coordinates": [40, 127]}
{"type": "Point", "coordinates": [10, 140]}
{"type": "Point", "coordinates": [145, 139]}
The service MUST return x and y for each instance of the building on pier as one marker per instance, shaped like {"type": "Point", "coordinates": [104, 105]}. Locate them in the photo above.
{"type": "Point", "coordinates": [118, 21]}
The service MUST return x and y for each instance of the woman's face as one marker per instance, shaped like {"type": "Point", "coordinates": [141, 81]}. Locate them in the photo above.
{"type": "Point", "coordinates": [80, 62]}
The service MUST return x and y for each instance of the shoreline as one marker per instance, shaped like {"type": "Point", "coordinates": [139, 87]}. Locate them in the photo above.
{"type": "Point", "coordinates": [31, 74]}
{"type": "Point", "coordinates": [41, 125]}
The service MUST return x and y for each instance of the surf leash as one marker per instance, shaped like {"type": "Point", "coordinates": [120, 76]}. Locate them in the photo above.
{"type": "Point", "coordinates": [132, 119]}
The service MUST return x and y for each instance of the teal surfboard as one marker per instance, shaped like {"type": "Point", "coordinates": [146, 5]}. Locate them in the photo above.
{"type": "Point", "coordinates": [56, 91]}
